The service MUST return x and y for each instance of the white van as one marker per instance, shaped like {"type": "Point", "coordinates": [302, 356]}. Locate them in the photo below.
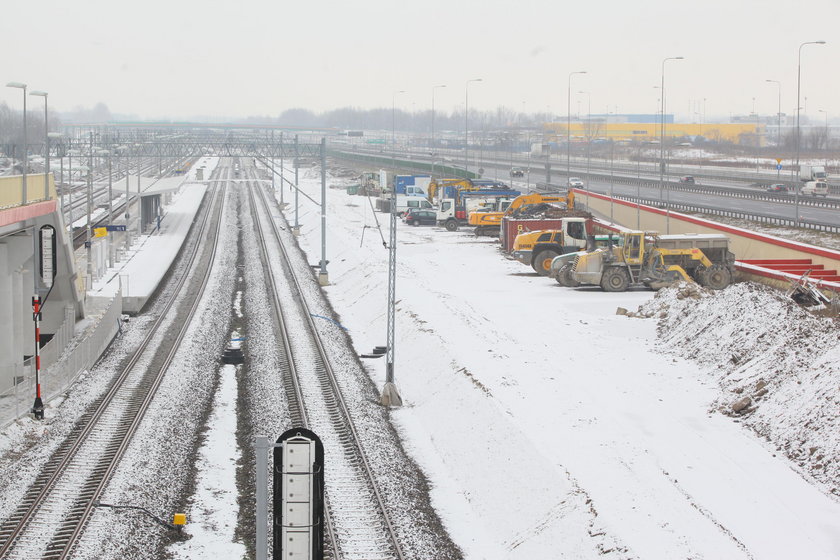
{"type": "Point", "coordinates": [408, 202]}
{"type": "Point", "coordinates": [815, 188]}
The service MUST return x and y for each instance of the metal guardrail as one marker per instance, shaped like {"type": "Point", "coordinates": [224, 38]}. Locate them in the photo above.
{"type": "Point", "coordinates": [57, 377]}
{"type": "Point", "coordinates": [712, 190]}
{"type": "Point", "coordinates": [738, 214]}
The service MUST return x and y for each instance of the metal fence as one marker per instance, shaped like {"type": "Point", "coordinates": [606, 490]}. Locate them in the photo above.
{"type": "Point", "coordinates": [59, 373]}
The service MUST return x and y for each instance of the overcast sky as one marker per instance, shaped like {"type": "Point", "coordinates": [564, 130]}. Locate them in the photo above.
{"type": "Point", "coordinates": [183, 58]}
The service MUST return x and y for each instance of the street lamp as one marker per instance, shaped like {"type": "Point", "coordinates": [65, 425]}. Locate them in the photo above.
{"type": "Point", "coordinates": [103, 152]}
{"type": "Point", "coordinates": [798, 89]}
{"type": "Point", "coordinates": [778, 115]}
{"type": "Point", "coordinates": [467, 125]}
{"type": "Point", "coordinates": [394, 118]}
{"type": "Point", "coordinates": [432, 146]}
{"type": "Point", "coordinates": [588, 135]}
{"type": "Point", "coordinates": [25, 154]}
{"type": "Point", "coordinates": [826, 134]}
{"type": "Point", "coordinates": [46, 145]}
{"type": "Point", "coordinates": [569, 122]}
{"type": "Point", "coordinates": [662, 147]}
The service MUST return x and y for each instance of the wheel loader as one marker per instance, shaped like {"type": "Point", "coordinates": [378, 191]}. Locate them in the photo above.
{"type": "Point", "coordinates": [655, 261]}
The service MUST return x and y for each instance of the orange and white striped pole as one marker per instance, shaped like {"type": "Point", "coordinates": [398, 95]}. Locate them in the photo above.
{"type": "Point", "coordinates": [38, 407]}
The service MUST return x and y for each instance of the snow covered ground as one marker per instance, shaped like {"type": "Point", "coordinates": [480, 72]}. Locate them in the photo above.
{"type": "Point", "coordinates": [549, 426]}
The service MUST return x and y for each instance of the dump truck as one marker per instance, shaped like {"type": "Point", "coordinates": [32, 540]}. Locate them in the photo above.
{"type": "Point", "coordinates": [488, 223]}
{"type": "Point", "coordinates": [655, 261]}
{"type": "Point", "coordinates": [538, 249]}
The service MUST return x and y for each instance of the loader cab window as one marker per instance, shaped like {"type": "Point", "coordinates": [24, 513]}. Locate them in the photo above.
{"type": "Point", "coordinates": [544, 237]}
{"type": "Point", "coordinates": [633, 248]}
{"type": "Point", "coordinates": [576, 230]}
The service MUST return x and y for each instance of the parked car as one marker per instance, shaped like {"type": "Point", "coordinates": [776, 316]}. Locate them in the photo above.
{"type": "Point", "coordinates": [420, 217]}
{"type": "Point", "coordinates": [777, 188]}
{"type": "Point", "coordinates": [575, 182]}
{"type": "Point", "coordinates": [517, 172]}
{"type": "Point", "coordinates": [405, 214]}
{"type": "Point", "coordinates": [687, 179]}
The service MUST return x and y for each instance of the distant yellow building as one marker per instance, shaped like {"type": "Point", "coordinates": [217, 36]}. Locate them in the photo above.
{"type": "Point", "coordinates": [740, 133]}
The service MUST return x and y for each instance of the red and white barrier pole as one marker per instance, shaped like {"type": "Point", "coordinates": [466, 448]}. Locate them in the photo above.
{"type": "Point", "coordinates": [38, 407]}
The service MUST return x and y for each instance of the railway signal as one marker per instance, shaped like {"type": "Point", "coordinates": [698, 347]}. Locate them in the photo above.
{"type": "Point", "coordinates": [38, 407]}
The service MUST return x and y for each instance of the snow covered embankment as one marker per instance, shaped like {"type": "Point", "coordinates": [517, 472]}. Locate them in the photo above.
{"type": "Point", "coordinates": [774, 359]}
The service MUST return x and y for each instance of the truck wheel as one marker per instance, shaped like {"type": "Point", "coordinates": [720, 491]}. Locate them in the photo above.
{"type": "Point", "coordinates": [699, 275]}
{"type": "Point", "coordinates": [564, 276]}
{"type": "Point", "coordinates": [542, 262]}
{"type": "Point", "coordinates": [451, 225]}
{"type": "Point", "coordinates": [615, 279]}
{"type": "Point", "coordinates": [718, 277]}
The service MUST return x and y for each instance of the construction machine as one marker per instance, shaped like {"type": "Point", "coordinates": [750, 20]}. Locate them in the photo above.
{"type": "Point", "coordinates": [538, 249]}
{"type": "Point", "coordinates": [655, 261]}
{"type": "Point", "coordinates": [488, 223]}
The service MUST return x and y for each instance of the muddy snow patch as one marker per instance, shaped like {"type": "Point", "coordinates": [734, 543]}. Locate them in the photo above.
{"type": "Point", "coordinates": [777, 366]}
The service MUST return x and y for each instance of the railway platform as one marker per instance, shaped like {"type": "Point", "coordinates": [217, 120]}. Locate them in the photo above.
{"type": "Point", "coordinates": [81, 315]}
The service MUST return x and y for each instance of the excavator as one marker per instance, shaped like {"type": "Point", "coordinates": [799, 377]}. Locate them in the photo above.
{"type": "Point", "coordinates": [488, 223]}
{"type": "Point", "coordinates": [438, 185]}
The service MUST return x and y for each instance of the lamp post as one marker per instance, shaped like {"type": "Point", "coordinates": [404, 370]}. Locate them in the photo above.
{"type": "Point", "coordinates": [662, 127]}
{"type": "Point", "coordinates": [25, 154]}
{"type": "Point", "coordinates": [798, 90]}
{"type": "Point", "coordinates": [778, 112]}
{"type": "Point", "coordinates": [823, 111]}
{"type": "Point", "coordinates": [110, 204]}
{"type": "Point", "coordinates": [467, 125]}
{"type": "Point", "coordinates": [588, 134]}
{"type": "Point", "coordinates": [569, 123]}
{"type": "Point", "coordinates": [394, 119]}
{"type": "Point", "coordinates": [778, 122]}
{"type": "Point", "coordinates": [46, 144]}
{"type": "Point", "coordinates": [432, 143]}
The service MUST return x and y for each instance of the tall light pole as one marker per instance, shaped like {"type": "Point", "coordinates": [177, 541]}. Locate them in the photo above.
{"type": "Point", "coordinates": [662, 127]}
{"type": "Point", "coordinates": [798, 90]}
{"type": "Point", "coordinates": [823, 111]}
{"type": "Point", "coordinates": [46, 144]}
{"type": "Point", "coordinates": [25, 153]}
{"type": "Point", "coordinates": [467, 125]}
{"type": "Point", "coordinates": [393, 140]}
{"type": "Point", "coordinates": [394, 118]}
{"type": "Point", "coordinates": [778, 114]}
{"type": "Point", "coordinates": [104, 152]}
{"type": "Point", "coordinates": [432, 146]}
{"type": "Point", "coordinates": [588, 135]}
{"type": "Point", "coordinates": [569, 123]}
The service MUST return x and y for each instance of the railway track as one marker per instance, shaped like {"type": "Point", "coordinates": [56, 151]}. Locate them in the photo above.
{"type": "Point", "coordinates": [358, 526]}
{"type": "Point", "coordinates": [55, 509]}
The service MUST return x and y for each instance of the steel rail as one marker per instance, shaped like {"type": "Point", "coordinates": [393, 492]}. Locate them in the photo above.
{"type": "Point", "coordinates": [38, 494]}
{"type": "Point", "coordinates": [335, 391]}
